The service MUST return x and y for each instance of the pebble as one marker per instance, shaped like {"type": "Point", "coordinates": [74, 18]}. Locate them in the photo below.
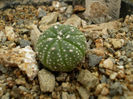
{"type": "Point", "coordinates": [121, 74]}
{"type": "Point", "coordinates": [94, 59]}
{"type": "Point", "coordinates": [65, 95]}
{"type": "Point", "coordinates": [22, 88]}
{"type": "Point", "coordinates": [24, 43]}
{"type": "Point", "coordinates": [10, 34]}
{"type": "Point", "coordinates": [2, 37]}
{"type": "Point", "coordinates": [61, 77]}
{"type": "Point", "coordinates": [6, 96]}
{"type": "Point", "coordinates": [20, 81]}
{"type": "Point", "coordinates": [2, 89]}
{"type": "Point", "coordinates": [41, 13]}
{"type": "Point", "coordinates": [69, 11]}
{"type": "Point", "coordinates": [87, 79]}
{"type": "Point", "coordinates": [113, 76]}
{"type": "Point", "coordinates": [129, 78]}
{"type": "Point", "coordinates": [105, 91]}
{"type": "Point", "coordinates": [84, 94]}
{"type": "Point", "coordinates": [49, 18]}
{"type": "Point", "coordinates": [66, 86]}
{"type": "Point", "coordinates": [108, 64]}
{"type": "Point", "coordinates": [117, 43]}
{"type": "Point", "coordinates": [102, 89]}
{"type": "Point", "coordinates": [56, 4]}
{"type": "Point", "coordinates": [46, 80]}
{"type": "Point", "coordinates": [74, 20]}
{"type": "Point", "coordinates": [3, 69]}
{"type": "Point", "coordinates": [116, 89]}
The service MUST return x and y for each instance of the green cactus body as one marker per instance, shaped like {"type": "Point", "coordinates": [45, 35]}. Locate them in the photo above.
{"type": "Point", "coordinates": [61, 47]}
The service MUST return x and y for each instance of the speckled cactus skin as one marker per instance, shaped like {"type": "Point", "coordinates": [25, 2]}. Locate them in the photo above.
{"type": "Point", "coordinates": [61, 47]}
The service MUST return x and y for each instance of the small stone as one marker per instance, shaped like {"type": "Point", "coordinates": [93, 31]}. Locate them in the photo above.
{"type": "Point", "coordinates": [62, 9]}
{"type": "Point", "coordinates": [99, 43]}
{"type": "Point", "coordinates": [106, 44]}
{"type": "Point", "coordinates": [103, 79]}
{"type": "Point", "coordinates": [41, 13]}
{"type": "Point", "coordinates": [61, 77]}
{"type": "Point", "coordinates": [121, 74]}
{"type": "Point", "coordinates": [2, 89]}
{"type": "Point", "coordinates": [69, 11]}
{"type": "Point", "coordinates": [64, 95]}
{"type": "Point", "coordinates": [56, 95]}
{"type": "Point", "coordinates": [72, 96]}
{"type": "Point", "coordinates": [46, 80]}
{"type": "Point", "coordinates": [129, 78]}
{"type": "Point", "coordinates": [102, 89]}
{"type": "Point", "coordinates": [3, 69]}
{"type": "Point", "coordinates": [74, 20]}
{"type": "Point", "coordinates": [94, 59]}
{"type": "Point", "coordinates": [56, 4]}
{"type": "Point", "coordinates": [99, 52]}
{"type": "Point", "coordinates": [49, 18]}
{"type": "Point", "coordinates": [105, 91]}
{"type": "Point", "coordinates": [117, 43]}
{"type": "Point", "coordinates": [2, 37]}
{"type": "Point", "coordinates": [118, 54]}
{"type": "Point", "coordinates": [3, 4]}
{"type": "Point", "coordinates": [66, 86]}
{"type": "Point", "coordinates": [84, 23]}
{"type": "Point", "coordinates": [113, 76]}
{"type": "Point", "coordinates": [20, 81]}
{"type": "Point", "coordinates": [24, 43]}
{"type": "Point", "coordinates": [34, 35]}
{"type": "Point", "coordinates": [116, 89]}
{"type": "Point", "coordinates": [130, 87]}
{"type": "Point", "coordinates": [108, 64]}
{"type": "Point", "coordinates": [87, 79]}
{"type": "Point", "coordinates": [83, 93]}
{"type": "Point", "coordinates": [22, 88]}
{"type": "Point", "coordinates": [6, 96]}
{"type": "Point", "coordinates": [9, 31]}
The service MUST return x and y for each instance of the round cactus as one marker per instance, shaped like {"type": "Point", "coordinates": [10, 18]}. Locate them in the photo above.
{"type": "Point", "coordinates": [61, 47]}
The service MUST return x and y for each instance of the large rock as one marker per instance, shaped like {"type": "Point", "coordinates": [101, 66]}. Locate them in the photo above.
{"type": "Point", "coordinates": [99, 11]}
{"type": "Point", "coordinates": [24, 58]}
{"type": "Point", "coordinates": [87, 79]}
{"type": "Point", "coordinates": [46, 80]}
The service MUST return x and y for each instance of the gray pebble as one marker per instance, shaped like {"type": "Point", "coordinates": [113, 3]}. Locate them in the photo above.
{"type": "Point", "coordinates": [41, 13]}
{"type": "Point", "coordinates": [24, 43]}
{"type": "Point", "coordinates": [3, 69]}
{"type": "Point", "coordinates": [116, 89]}
{"type": "Point", "coordinates": [23, 88]}
{"type": "Point", "coordinates": [94, 59]}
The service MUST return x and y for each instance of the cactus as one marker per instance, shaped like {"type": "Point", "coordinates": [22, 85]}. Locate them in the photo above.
{"type": "Point", "coordinates": [61, 47]}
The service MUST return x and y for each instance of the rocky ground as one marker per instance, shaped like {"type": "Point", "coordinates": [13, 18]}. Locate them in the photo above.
{"type": "Point", "coordinates": [106, 73]}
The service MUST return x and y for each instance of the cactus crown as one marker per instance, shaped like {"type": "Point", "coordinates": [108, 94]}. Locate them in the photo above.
{"type": "Point", "coordinates": [61, 47]}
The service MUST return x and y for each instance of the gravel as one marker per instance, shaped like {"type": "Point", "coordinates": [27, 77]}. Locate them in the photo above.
{"type": "Point", "coordinates": [109, 54]}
